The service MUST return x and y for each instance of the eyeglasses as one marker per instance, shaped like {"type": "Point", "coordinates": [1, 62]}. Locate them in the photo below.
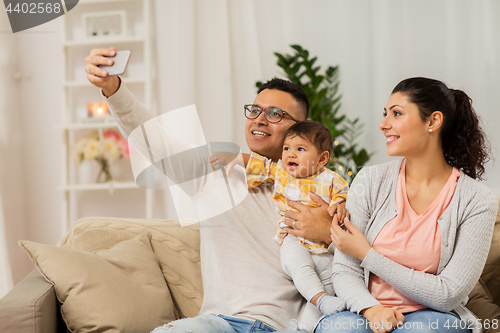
{"type": "Point", "coordinates": [273, 115]}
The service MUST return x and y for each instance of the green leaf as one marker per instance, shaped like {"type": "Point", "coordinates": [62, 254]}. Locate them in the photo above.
{"type": "Point", "coordinates": [316, 81]}
{"type": "Point", "coordinates": [296, 47]}
{"type": "Point", "coordinates": [296, 68]}
{"type": "Point", "coordinates": [312, 61]}
{"type": "Point", "coordinates": [361, 158]}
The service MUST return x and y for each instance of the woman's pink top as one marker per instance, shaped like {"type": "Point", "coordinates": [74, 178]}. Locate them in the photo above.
{"type": "Point", "coordinates": [411, 240]}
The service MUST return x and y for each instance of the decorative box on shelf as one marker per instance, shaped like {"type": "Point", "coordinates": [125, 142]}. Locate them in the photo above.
{"type": "Point", "coordinates": [105, 24]}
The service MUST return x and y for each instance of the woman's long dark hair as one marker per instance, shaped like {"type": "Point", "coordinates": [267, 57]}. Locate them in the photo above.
{"type": "Point", "coordinates": [465, 146]}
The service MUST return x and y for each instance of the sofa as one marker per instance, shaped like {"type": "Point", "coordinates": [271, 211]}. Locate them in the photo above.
{"type": "Point", "coordinates": [34, 305]}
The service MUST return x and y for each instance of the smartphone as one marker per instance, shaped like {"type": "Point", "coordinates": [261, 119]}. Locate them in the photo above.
{"type": "Point", "coordinates": [120, 63]}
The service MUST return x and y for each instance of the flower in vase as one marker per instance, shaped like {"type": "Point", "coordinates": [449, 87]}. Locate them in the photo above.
{"type": "Point", "coordinates": [91, 149]}
{"type": "Point", "coordinates": [77, 151]}
{"type": "Point", "coordinates": [111, 134]}
{"type": "Point", "coordinates": [101, 148]}
{"type": "Point", "coordinates": [110, 149]}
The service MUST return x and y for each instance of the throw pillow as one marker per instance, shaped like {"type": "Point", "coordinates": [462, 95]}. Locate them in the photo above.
{"type": "Point", "coordinates": [121, 289]}
{"type": "Point", "coordinates": [177, 248]}
{"type": "Point", "coordinates": [481, 304]}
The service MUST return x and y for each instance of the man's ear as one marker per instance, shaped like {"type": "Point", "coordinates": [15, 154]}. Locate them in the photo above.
{"type": "Point", "coordinates": [323, 158]}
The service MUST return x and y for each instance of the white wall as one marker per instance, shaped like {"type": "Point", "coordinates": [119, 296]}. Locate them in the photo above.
{"type": "Point", "coordinates": [211, 54]}
{"type": "Point", "coordinates": [11, 157]}
{"type": "Point", "coordinates": [39, 57]}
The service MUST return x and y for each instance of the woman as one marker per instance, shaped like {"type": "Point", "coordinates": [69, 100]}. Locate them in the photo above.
{"type": "Point", "coordinates": [422, 226]}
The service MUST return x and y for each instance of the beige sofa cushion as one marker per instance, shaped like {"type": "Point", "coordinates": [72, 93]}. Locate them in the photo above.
{"type": "Point", "coordinates": [177, 249]}
{"type": "Point", "coordinates": [120, 289]}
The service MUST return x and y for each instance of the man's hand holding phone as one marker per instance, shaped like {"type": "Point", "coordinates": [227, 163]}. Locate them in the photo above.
{"type": "Point", "coordinates": [100, 77]}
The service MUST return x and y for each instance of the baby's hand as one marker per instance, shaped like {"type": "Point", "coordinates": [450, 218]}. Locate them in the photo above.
{"type": "Point", "coordinates": [226, 158]}
{"type": "Point", "coordinates": [340, 210]}
{"type": "Point", "coordinates": [332, 209]}
{"type": "Point", "coordinates": [223, 158]}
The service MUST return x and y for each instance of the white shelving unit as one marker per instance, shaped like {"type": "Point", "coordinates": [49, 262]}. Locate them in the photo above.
{"type": "Point", "coordinates": [77, 91]}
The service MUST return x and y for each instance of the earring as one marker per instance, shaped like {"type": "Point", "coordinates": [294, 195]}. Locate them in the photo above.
{"type": "Point", "coordinates": [430, 129]}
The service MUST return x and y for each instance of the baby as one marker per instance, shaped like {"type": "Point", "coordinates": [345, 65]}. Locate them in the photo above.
{"type": "Point", "coordinates": [307, 149]}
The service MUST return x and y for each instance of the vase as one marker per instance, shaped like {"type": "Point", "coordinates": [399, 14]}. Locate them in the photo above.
{"type": "Point", "coordinates": [104, 174]}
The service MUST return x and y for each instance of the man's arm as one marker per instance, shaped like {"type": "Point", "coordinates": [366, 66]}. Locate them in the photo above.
{"type": "Point", "coordinates": [181, 162]}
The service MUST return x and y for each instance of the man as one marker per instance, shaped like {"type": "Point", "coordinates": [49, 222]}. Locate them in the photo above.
{"type": "Point", "coordinates": [244, 285]}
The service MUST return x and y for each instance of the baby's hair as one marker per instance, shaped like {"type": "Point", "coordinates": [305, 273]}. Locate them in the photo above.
{"type": "Point", "coordinates": [315, 132]}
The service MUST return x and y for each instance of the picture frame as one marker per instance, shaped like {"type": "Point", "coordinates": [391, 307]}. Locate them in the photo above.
{"type": "Point", "coordinates": [106, 24]}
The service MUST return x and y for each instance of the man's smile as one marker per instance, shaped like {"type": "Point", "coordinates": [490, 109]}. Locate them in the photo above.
{"type": "Point", "coordinates": [260, 133]}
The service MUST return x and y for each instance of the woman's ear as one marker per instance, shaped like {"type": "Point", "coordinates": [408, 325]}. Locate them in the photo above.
{"type": "Point", "coordinates": [323, 158]}
{"type": "Point", "coordinates": [435, 121]}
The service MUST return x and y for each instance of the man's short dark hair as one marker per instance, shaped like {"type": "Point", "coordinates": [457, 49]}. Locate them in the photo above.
{"type": "Point", "coordinates": [315, 132]}
{"type": "Point", "coordinates": [292, 88]}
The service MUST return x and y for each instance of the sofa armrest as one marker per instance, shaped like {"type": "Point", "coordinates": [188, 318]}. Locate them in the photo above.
{"type": "Point", "coordinates": [31, 306]}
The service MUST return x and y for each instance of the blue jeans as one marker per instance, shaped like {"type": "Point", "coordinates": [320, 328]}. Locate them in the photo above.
{"type": "Point", "coordinates": [421, 321]}
{"type": "Point", "coordinates": [213, 324]}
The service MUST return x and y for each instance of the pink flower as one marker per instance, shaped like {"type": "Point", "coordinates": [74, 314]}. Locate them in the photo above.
{"type": "Point", "coordinates": [124, 148]}
{"type": "Point", "coordinates": [111, 134]}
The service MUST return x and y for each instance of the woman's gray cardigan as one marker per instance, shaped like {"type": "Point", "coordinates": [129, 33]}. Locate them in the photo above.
{"type": "Point", "coordinates": [466, 232]}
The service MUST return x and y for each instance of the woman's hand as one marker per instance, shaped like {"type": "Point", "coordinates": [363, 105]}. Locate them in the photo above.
{"type": "Point", "coordinates": [350, 241]}
{"type": "Point", "coordinates": [383, 319]}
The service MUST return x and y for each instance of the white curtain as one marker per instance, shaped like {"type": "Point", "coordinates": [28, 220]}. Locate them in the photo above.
{"type": "Point", "coordinates": [5, 271]}
{"type": "Point", "coordinates": [6, 49]}
{"type": "Point", "coordinates": [212, 52]}
{"type": "Point", "coordinates": [13, 263]}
